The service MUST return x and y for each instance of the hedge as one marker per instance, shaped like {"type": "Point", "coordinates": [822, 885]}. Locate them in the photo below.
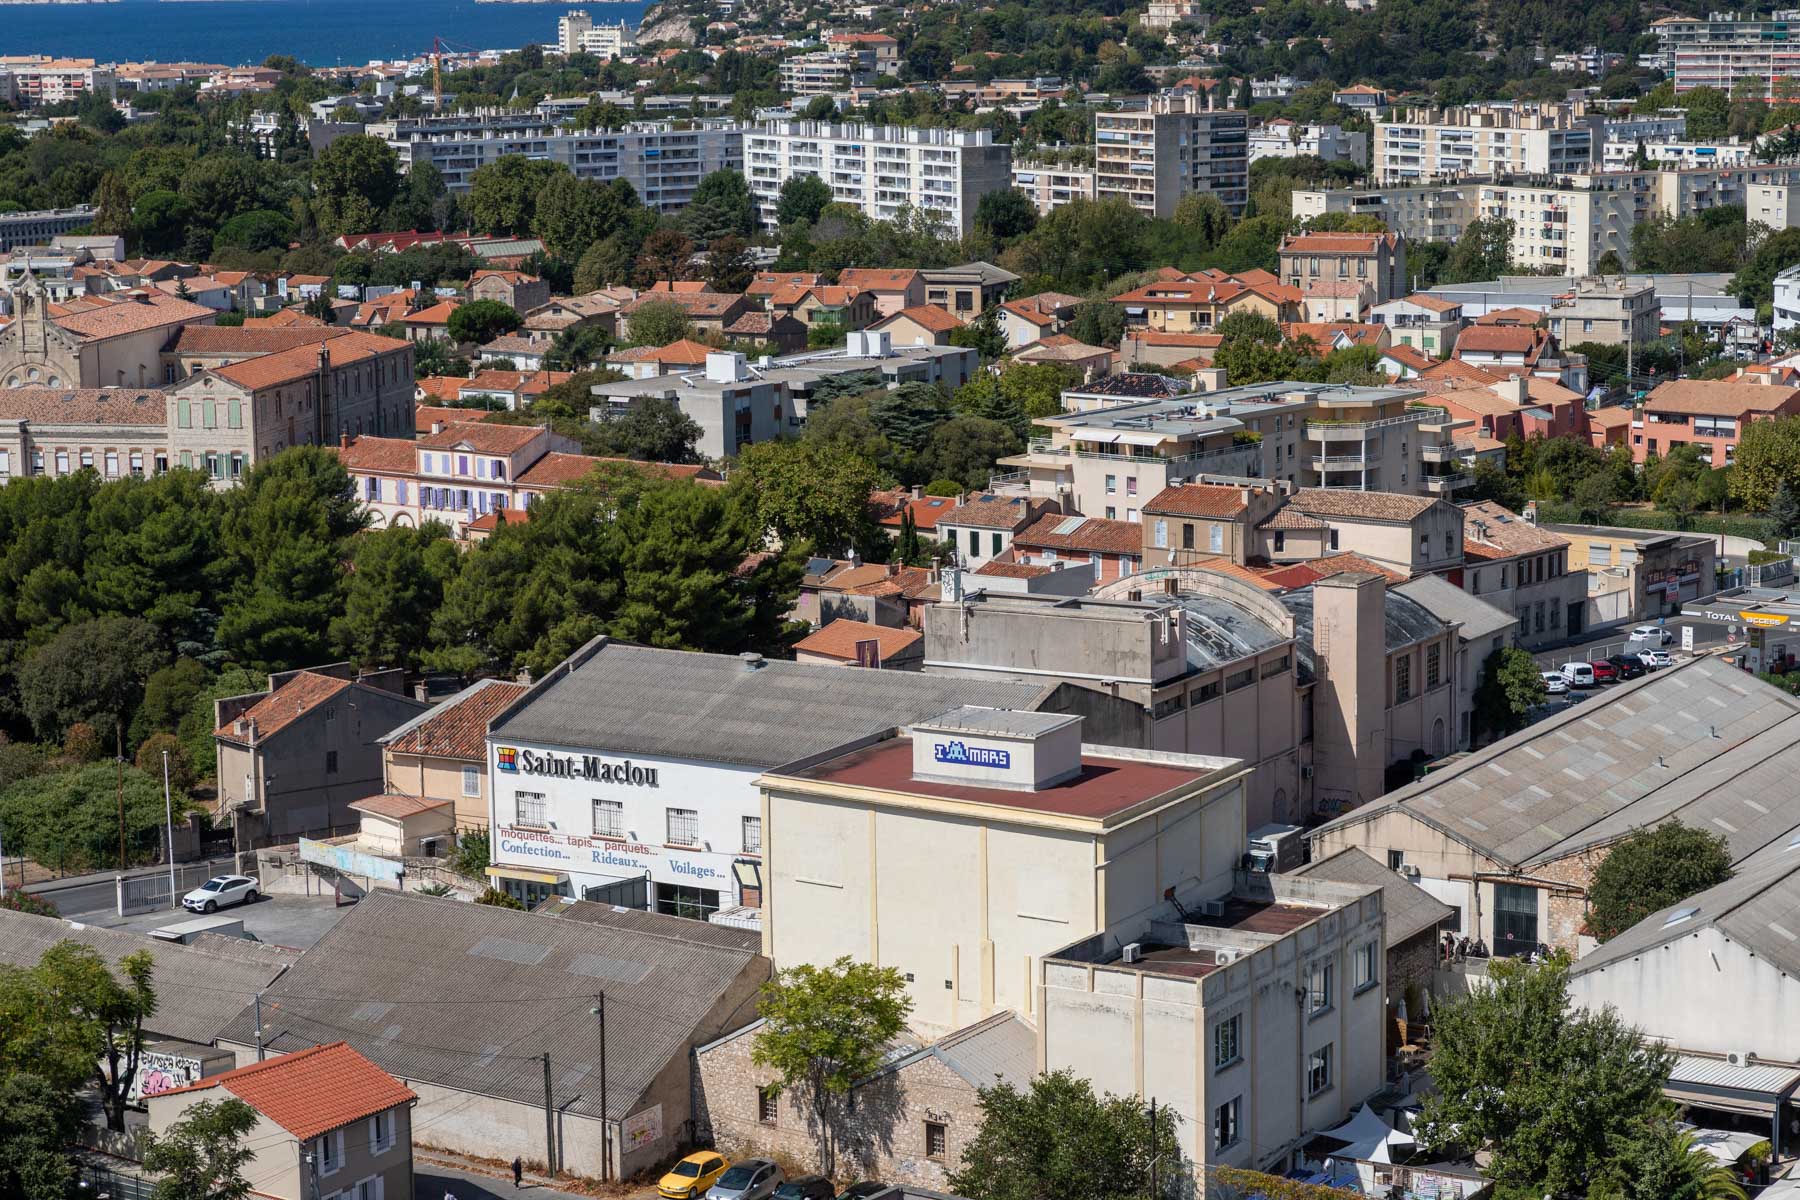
{"type": "Point", "coordinates": [1649, 518]}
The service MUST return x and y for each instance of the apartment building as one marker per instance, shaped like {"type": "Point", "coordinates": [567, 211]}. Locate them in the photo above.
{"type": "Point", "coordinates": [36, 81]}
{"type": "Point", "coordinates": [1283, 138]}
{"type": "Point", "coordinates": [1197, 303]}
{"type": "Point", "coordinates": [1723, 48]}
{"type": "Point", "coordinates": [1435, 213]}
{"type": "Point", "coordinates": [1522, 568]}
{"type": "Point", "coordinates": [1485, 140]}
{"type": "Point", "coordinates": [1049, 184]}
{"type": "Point", "coordinates": [36, 228]}
{"type": "Point", "coordinates": [1612, 311]}
{"type": "Point", "coordinates": [576, 33]}
{"type": "Point", "coordinates": [1428, 324]}
{"type": "Point", "coordinates": [1375, 259]}
{"type": "Point", "coordinates": [663, 160]}
{"type": "Point", "coordinates": [1673, 152]}
{"type": "Point", "coordinates": [879, 169]}
{"type": "Point", "coordinates": [827, 72]}
{"type": "Point", "coordinates": [1156, 149]}
{"type": "Point", "coordinates": [886, 49]}
{"type": "Point", "coordinates": [116, 340]}
{"type": "Point", "coordinates": [453, 474]}
{"type": "Point", "coordinates": [1708, 414]}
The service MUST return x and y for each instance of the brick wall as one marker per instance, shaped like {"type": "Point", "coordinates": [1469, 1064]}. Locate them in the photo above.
{"type": "Point", "coordinates": [883, 1136]}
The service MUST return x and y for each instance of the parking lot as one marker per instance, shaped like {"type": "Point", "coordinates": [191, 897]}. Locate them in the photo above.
{"type": "Point", "coordinates": [1707, 635]}
{"type": "Point", "coordinates": [292, 921]}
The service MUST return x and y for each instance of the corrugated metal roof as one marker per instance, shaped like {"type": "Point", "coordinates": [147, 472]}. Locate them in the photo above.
{"type": "Point", "coordinates": [1220, 632]}
{"type": "Point", "coordinates": [1716, 1072]}
{"type": "Point", "coordinates": [1406, 909]}
{"type": "Point", "coordinates": [680, 704]}
{"type": "Point", "coordinates": [470, 996]}
{"type": "Point", "coordinates": [1000, 1049]}
{"type": "Point", "coordinates": [1479, 619]}
{"type": "Point", "coordinates": [200, 988]}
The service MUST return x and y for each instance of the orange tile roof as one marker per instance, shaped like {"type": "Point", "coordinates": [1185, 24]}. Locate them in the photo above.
{"type": "Point", "coordinates": [127, 316]}
{"type": "Point", "coordinates": [513, 277]}
{"type": "Point", "coordinates": [926, 511]}
{"type": "Point", "coordinates": [491, 520]}
{"type": "Point", "coordinates": [286, 317]}
{"type": "Point", "coordinates": [1527, 341]}
{"type": "Point", "coordinates": [838, 639]}
{"type": "Point", "coordinates": [927, 316]}
{"type": "Point", "coordinates": [869, 279]}
{"type": "Point", "coordinates": [437, 314]}
{"type": "Point", "coordinates": [85, 406]}
{"type": "Point", "coordinates": [312, 1091]}
{"type": "Point", "coordinates": [482, 437]}
{"type": "Point", "coordinates": [457, 728]}
{"type": "Point", "coordinates": [1705, 397]}
{"type": "Point", "coordinates": [1335, 243]}
{"type": "Point", "coordinates": [396, 807]}
{"type": "Point", "coordinates": [1510, 316]}
{"type": "Point", "coordinates": [524, 382]}
{"type": "Point", "coordinates": [696, 304]}
{"type": "Point", "coordinates": [1307, 573]}
{"type": "Point", "coordinates": [1224, 566]}
{"type": "Point", "coordinates": [286, 704]}
{"type": "Point", "coordinates": [1427, 301]}
{"type": "Point", "coordinates": [1198, 500]}
{"type": "Point", "coordinates": [382, 455]}
{"type": "Point", "coordinates": [271, 370]}
{"type": "Point", "coordinates": [1455, 368]}
{"type": "Point", "coordinates": [769, 281]}
{"type": "Point", "coordinates": [685, 353]}
{"type": "Point", "coordinates": [253, 337]}
{"type": "Point", "coordinates": [1094, 534]}
{"type": "Point", "coordinates": [1013, 570]}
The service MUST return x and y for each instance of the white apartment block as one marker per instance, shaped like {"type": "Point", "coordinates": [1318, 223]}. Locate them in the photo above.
{"type": "Point", "coordinates": [827, 72]}
{"type": "Point", "coordinates": [663, 160]}
{"type": "Point", "coordinates": [1287, 139]}
{"type": "Point", "coordinates": [1664, 125]}
{"type": "Point", "coordinates": [1488, 140]}
{"type": "Point", "coordinates": [1052, 185]}
{"type": "Point", "coordinates": [569, 29]}
{"type": "Point", "coordinates": [1568, 223]}
{"type": "Point", "coordinates": [576, 33]}
{"type": "Point", "coordinates": [37, 80]}
{"type": "Point", "coordinates": [880, 169]}
{"type": "Point", "coordinates": [1622, 156]}
{"type": "Point", "coordinates": [1167, 146]}
{"type": "Point", "coordinates": [1723, 49]}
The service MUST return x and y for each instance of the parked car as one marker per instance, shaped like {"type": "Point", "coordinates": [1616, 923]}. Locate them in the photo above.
{"type": "Point", "coordinates": [751, 1179]}
{"type": "Point", "coordinates": [806, 1187]}
{"type": "Point", "coordinates": [1604, 671]}
{"type": "Point", "coordinates": [220, 891]}
{"type": "Point", "coordinates": [1654, 635]}
{"type": "Point", "coordinates": [1555, 684]}
{"type": "Point", "coordinates": [1655, 660]}
{"type": "Point", "coordinates": [863, 1190]}
{"type": "Point", "coordinates": [1629, 666]}
{"type": "Point", "coordinates": [689, 1178]}
{"type": "Point", "coordinates": [1578, 674]}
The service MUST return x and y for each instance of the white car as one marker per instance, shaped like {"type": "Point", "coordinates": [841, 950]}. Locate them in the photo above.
{"type": "Point", "coordinates": [1554, 683]}
{"type": "Point", "coordinates": [220, 891]}
{"type": "Point", "coordinates": [1655, 659]}
{"type": "Point", "coordinates": [1656, 635]}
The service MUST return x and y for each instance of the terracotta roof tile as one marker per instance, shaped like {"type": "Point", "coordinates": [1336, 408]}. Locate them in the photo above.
{"type": "Point", "coordinates": [84, 406]}
{"type": "Point", "coordinates": [838, 639]}
{"type": "Point", "coordinates": [1307, 573]}
{"type": "Point", "coordinates": [126, 316]}
{"type": "Point", "coordinates": [288, 318]}
{"type": "Point", "coordinates": [1335, 243]}
{"type": "Point", "coordinates": [457, 728]}
{"type": "Point", "coordinates": [1704, 397]}
{"type": "Point", "coordinates": [1198, 500]}
{"type": "Point", "coordinates": [384, 455]}
{"type": "Point", "coordinates": [926, 511]}
{"type": "Point", "coordinates": [1354, 504]}
{"type": "Point", "coordinates": [1501, 339]}
{"type": "Point", "coordinates": [771, 281]}
{"type": "Point", "coordinates": [271, 370]}
{"type": "Point", "coordinates": [559, 469]}
{"type": "Point", "coordinates": [491, 520]}
{"type": "Point", "coordinates": [312, 1091]}
{"type": "Point", "coordinates": [1013, 570]}
{"type": "Point", "coordinates": [1093, 534]}
{"type": "Point", "coordinates": [482, 437]}
{"type": "Point", "coordinates": [424, 415]}
{"type": "Point", "coordinates": [253, 337]}
{"type": "Point", "coordinates": [866, 279]}
{"type": "Point", "coordinates": [696, 304]}
{"type": "Point", "coordinates": [993, 512]}
{"type": "Point", "coordinates": [286, 704]}
{"type": "Point", "coordinates": [1429, 302]}
{"type": "Point", "coordinates": [1219, 565]}
{"type": "Point", "coordinates": [1290, 519]}
{"type": "Point", "coordinates": [927, 316]}
{"type": "Point", "coordinates": [685, 353]}
{"type": "Point", "coordinates": [396, 807]}
{"type": "Point", "coordinates": [1510, 316]}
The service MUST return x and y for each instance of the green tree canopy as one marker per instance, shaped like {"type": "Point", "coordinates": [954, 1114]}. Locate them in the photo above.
{"type": "Point", "coordinates": [1510, 685]}
{"type": "Point", "coordinates": [1768, 455]}
{"type": "Point", "coordinates": [204, 1154]}
{"type": "Point", "coordinates": [824, 1030]}
{"type": "Point", "coordinates": [481, 321]}
{"type": "Point", "coordinates": [802, 199]}
{"type": "Point", "coordinates": [93, 672]}
{"type": "Point", "coordinates": [1651, 870]}
{"type": "Point", "coordinates": [503, 194]}
{"type": "Point", "coordinates": [396, 583]}
{"type": "Point", "coordinates": [810, 491]}
{"type": "Point", "coordinates": [354, 180]}
{"type": "Point", "coordinates": [659, 322]}
{"type": "Point", "coordinates": [653, 430]}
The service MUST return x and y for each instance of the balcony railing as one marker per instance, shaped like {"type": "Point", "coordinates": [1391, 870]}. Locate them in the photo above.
{"type": "Point", "coordinates": [1340, 462]}
{"type": "Point", "coordinates": [1343, 430]}
{"type": "Point", "coordinates": [1438, 484]}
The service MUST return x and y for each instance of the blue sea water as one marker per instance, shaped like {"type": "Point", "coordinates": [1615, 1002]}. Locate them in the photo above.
{"type": "Point", "coordinates": [320, 32]}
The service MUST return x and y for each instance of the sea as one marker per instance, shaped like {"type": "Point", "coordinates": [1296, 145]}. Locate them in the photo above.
{"type": "Point", "coordinates": [322, 33]}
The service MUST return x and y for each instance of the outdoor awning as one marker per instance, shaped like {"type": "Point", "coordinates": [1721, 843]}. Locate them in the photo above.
{"type": "Point", "coordinates": [749, 874]}
{"type": "Point", "coordinates": [1109, 437]}
{"type": "Point", "coordinates": [527, 875]}
{"type": "Point", "coordinates": [1712, 1083]}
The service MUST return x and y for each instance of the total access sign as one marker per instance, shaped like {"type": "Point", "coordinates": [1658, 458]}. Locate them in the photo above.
{"type": "Point", "coordinates": [515, 760]}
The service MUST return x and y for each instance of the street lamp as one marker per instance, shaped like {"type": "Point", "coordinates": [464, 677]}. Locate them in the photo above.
{"type": "Point", "coordinates": [169, 818]}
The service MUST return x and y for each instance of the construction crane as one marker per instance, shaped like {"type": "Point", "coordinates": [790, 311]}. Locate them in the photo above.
{"type": "Point", "coordinates": [439, 48]}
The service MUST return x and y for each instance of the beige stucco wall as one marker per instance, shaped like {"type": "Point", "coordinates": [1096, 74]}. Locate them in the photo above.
{"type": "Point", "coordinates": [964, 904]}
{"type": "Point", "coordinates": [440, 779]}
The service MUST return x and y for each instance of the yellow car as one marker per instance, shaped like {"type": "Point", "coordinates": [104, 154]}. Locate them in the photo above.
{"type": "Point", "coordinates": [689, 1178]}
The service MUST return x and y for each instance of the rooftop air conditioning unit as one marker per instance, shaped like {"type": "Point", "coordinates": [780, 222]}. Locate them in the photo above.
{"type": "Point", "coordinates": [1225, 958]}
{"type": "Point", "coordinates": [1306, 771]}
{"type": "Point", "coordinates": [1740, 1058]}
{"type": "Point", "coordinates": [1212, 908]}
{"type": "Point", "coordinates": [1410, 872]}
{"type": "Point", "coordinates": [1131, 952]}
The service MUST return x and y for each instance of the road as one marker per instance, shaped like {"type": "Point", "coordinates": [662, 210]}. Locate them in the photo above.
{"type": "Point", "coordinates": [84, 895]}
{"type": "Point", "coordinates": [1707, 634]}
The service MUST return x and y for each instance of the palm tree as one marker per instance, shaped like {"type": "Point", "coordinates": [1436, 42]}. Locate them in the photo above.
{"type": "Point", "coordinates": [1706, 1178]}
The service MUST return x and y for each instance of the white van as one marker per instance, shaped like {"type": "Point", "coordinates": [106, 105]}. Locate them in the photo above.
{"type": "Point", "coordinates": [1578, 674]}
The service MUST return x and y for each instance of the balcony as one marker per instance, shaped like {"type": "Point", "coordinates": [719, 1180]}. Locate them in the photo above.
{"type": "Point", "coordinates": [1441, 485]}
{"type": "Point", "coordinates": [1340, 462]}
{"type": "Point", "coordinates": [1437, 453]}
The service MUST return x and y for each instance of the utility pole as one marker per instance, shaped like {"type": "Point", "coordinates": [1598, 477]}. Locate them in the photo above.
{"type": "Point", "coordinates": [1153, 1154]}
{"type": "Point", "coordinates": [259, 1031]}
{"type": "Point", "coordinates": [169, 817]}
{"type": "Point", "coordinates": [549, 1122]}
{"type": "Point", "coordinates": [599, 1010]}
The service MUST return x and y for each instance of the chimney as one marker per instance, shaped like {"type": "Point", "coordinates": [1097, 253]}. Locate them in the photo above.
{"type": "Point", "coordinates": [1350, 700]}
{"type": "Point", "coordinates": [437, 427]}
{"type": "Point", "coordinates": [752, 661]}
{"type": "Point", "coordinates": [918, 491]}
{"type": "Point", "coordinates": [344, 440]}
{"type": "Point", "coordinates": [1514, 390]}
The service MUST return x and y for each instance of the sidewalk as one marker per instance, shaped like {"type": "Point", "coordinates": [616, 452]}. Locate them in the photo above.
{"type": "Point", "coordinates": [437, 1175]}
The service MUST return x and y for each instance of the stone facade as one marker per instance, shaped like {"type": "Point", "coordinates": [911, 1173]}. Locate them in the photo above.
{"type": "Point", "coordinates": [1562, 910]}
{"type": "Point", "coordinates": [883, 1136]}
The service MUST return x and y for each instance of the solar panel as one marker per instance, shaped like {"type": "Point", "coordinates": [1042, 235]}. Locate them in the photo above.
{"type": "Point", "coordinates": [1069, 525]}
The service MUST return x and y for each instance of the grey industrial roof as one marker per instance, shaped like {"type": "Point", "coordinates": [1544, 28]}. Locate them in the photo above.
{"type": "Point", "coordinates": [470, 996]}
{"type": "Point", "coordinates": [1702, 742]}
{"type": "Point", "coordinates": [1758, 908]}
{"type": "Point", "coordinates": [1715, 1072]}
{"type": "Point", "coordinates": [1001, 1049]}
{"type": "Point", "coordinates": [728, 937]}
{"type": "Point", "coordinates": [679, 704]}
{"type": "Point", "coordinates": [200, 988]}
{"type": "Point", "coordinates": [1478, 618]}
{"type": "Point", "coordinates": [1406, 909]}
{"type": "Point", "coordinates": [1220, 632]}
{"type": "Point", "coordinates": [1407, 623]}
{"type": "Point", "coordinates": [967, 719]}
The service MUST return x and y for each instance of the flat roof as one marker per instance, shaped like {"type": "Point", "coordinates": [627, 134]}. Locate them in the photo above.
{"type": "Point", "coordinates": [969, 719]}
{"type": "Point", "coordinates": [1104, 788]}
